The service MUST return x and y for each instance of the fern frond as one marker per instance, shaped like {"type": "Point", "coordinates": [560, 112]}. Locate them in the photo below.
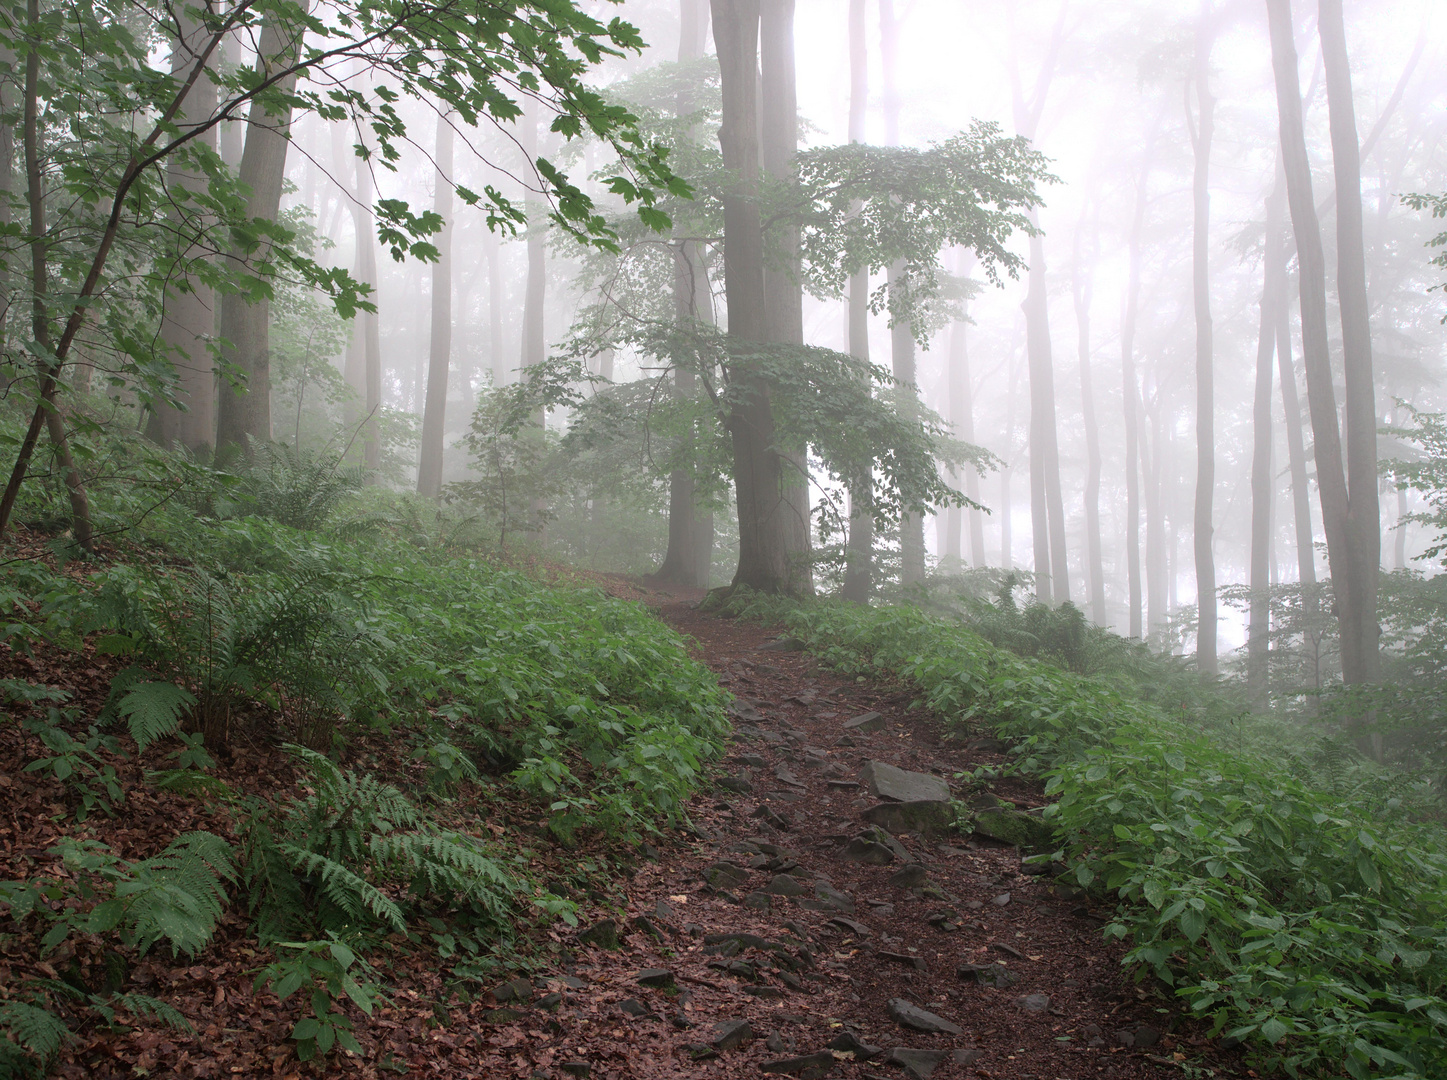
{"type": "Point", "coordinates": [177, 895]}
{"type": "Point", "coordinates": [153, 710]}
{"type": "Point", "coordinates": [445, 865]}
{"type": "Point", "coordinates": [38, 1031]}
{"type": "Point", "coordinates": [189, 782]}
{"type": "Point", "coordinates": [349, 891]}
{"type": "Point", "coordinates": [143, 1005]}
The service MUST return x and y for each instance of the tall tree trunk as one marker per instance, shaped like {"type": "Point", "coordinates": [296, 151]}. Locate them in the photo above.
{"type": "Point", "coordinates": [1130, 397]}
{"type": "Point", "coordinates": [434, 416]}
{"type": "Point", "coordinates": [1203, 134]}
{"type": "Point", "coordinates": [7, 192]}
{"type": "Point", "coordinates": [244, 413]}
{"type": "Point", "coordinates": [683, 563]}
{"type": "Point", "coordinates": [1047, 504]}
{"type": "Point", "coordinates": [758, 472]}
{"type": "Point", "coordinates": [534, 343]}
{"type": "Point", "coordinates": [363, 365]}
{"type": "Point", "coordinates": [1320, 393]}
{"type": "Point", "coordinates": [188, 321]}
{"type": "Point", "coordinates": [1262, 493]}
{"type": "Point", "coordinates": [1153, 463]}
{"type": "Point", "coordinates": [962, 416]}
{"type": "Point", "coordinates": [497, 358]}
{"type": "Point", "coordinates": [1082, 287]}
{"type": "Point", "coordinates": [859, 560]}
{"type": "Point", "coordinates": [1295, 448]}
{"type": "Point", "coordinates": [1360, 651]}
{"type": "Point", "coordinates": [48, 410]}
{"type": "Point", "coordinates": [901, 337]}
{"type": "Point", "coordinates": [783, 288]}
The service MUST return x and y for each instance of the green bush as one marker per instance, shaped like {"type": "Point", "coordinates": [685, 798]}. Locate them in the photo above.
{"type": "Point", "coordinates": [1312, 928]}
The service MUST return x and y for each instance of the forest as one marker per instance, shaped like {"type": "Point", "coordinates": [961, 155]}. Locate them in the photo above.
{"type": "Point", "coordinates": [635, 538]}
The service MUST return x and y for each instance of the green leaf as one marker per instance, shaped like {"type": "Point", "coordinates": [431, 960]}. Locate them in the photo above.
{"type": "Point", "coordinates": [154, 710]}
{"type": "Point", "coordinates": [1273, 1031]}
{"type": "Point", "coordinates": [306, 1028]}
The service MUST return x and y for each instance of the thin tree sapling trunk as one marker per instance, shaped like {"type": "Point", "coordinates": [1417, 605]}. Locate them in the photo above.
{"type": "Point", "coordinates": [1082, 288]}
{"type": "Point", "coordinates": [434, 416]}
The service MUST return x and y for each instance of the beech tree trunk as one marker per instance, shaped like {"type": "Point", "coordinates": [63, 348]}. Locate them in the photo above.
{"type": "Point", "coordinates": [901, 337]}
{"type": "Point", "coordinates": [1295, 449]}
{"type": "Point", "coordinates": [362, 368]}
{"type": "Point", "coordinates": [434, 415]}
{"type": "Point", "coordinates": [1130, 397]}
{"type": "Point", "coordinates": [1047, 504]}
{"type": "Point", "coordinates": [859, 560]}
{"type": "Point", "coordinates": [497, 358]}
{"type": "Point", "coordinates": [758, 472]}
{"type": "Point", "coordinates": [1360, 649]}
{"type": "Point", "coordinates": [1203, 527]}
{"type": "Point", "coordinates": [244, 413]}
{"type": "Point", "coordinates": [1153, 461]}
{"type": "Point", "coordinates": [188, 321]}
{"type": "Point", "coordinates": [1082, 287]}
{"type": "Point", "coordinates": [962, 416]}
{"type": "Point", "coordinates": [1262, 495]}
{"type": "Point", "coordinates": [690, 531]}
{"type": "Point", "coordinates": [783, 287]}
{"type": "Point", "coordinates": [1353, 579]}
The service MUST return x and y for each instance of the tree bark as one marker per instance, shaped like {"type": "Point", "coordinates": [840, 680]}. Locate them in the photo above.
{"type": "Point", "coordinates": [1082, 288]}
{"type": "Point", "coordinates": [758, 473]}
{"type": "Point", "coordinates": [1203, 134]}
{"type": "Point", "coordinates": [1295, 449]}
{"type": "Point", "coordinates": [363, 365]}
{"type": "Point", "coordinates": [1320, 393]}
{"type": "Point", "coordinates": [1360, 650]}
{"type": "Point", "coordinates": [859, 559]}
{"type": "Point", "coordinates": [1262, 495]}
{"type": "Point", "coordinates": [1153, 462]}
{"type": "Point", "coordinates": [962, 416]}
{"type": "Point", "coordinates": [688, 529]}
{"type": "Point", "coordinates": [434, 416]}
{"type": "Point", "coordinates": [244, 413]}
{"type": "Point", "coordinates": [1130, 397]}
{"type": "Point", "coordinates": [188, 321]}
{"type": "Point", "coordinates": [496, 360]}
{"type": "Point", "coordinates": [783, 281]}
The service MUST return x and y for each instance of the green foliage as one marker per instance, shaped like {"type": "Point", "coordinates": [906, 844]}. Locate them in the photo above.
{"type": "Point", "coordinates": [1303, 918]}
{"type": "Point", "coordinates": [77, 763]}
{"type": "Point", "coordinates": [325, 970]}
{"type": "Point", "coordinates": [301, 488]}
{"type": "Point", "coordinates": [175, 896]}
{"type": "Point", "coordinates": [327, 859]}
{"type": "Point", "coordinates": [33, 1035]}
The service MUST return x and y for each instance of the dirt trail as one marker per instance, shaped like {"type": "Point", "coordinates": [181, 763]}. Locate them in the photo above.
{"type": "Point", "coordinates": [764, 921]}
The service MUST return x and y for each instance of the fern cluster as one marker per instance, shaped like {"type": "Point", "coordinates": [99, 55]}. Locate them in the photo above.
{"type": "Point", "coordinates": [341, 858]}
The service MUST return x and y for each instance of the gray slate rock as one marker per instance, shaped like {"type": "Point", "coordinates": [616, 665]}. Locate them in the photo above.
{"type": "Point", "coordinates": [1035, 1003]}
{"type": "Point", "coordinates": [858, 929]}
{"type": "Point", "coordinates": [913, 876]}
{"type": "Point", "coordinates": [996, 975]}
{"type": "Point", "coordinates": [728, 1034]}
{"type": "Point", "coordinates": [785, 885]}
{"type": "Point", "coordinates": [1027, 831]}
{"type": "Point", "coordinates": [907, 959]}
{"type": "Point", "coordinates": [867, 852]}
{"type": "Point", "coordinates": [634, 1007]}
{"type": "Point", "coordinates": [918, 1063]}
{"type": "Point", "coordinates": [967, 1057]}
{"type": "Point", "coordinates": [889, 782]}
{"type": "Point", "coordinates": [725, 875]}
{"type": "Point", "coordinates": [737, 784]}
{"type": "Point", "coordinates": [870, 721]}
{"type": "Point", "coordinates": [849, 1043]}
{"type": "Point", "coordinates": [905, 817]}
{"type": "Point", "coordinates": [1002, 900]}
{"type": "Point", "coordinates": [799, 1066]}
{"type": "Point", "coordinates": [912, 1016]}
{"type": "Point", "coordinates": [654, 977]}
{"type": "Point", "coordinates": [514, 990]}
{"type": "Point", "coordinates": [603, 934]}
{"type": "Point", "coordinates": [833, 899]}
{"type": "Point", "coordinates": [758, 901]}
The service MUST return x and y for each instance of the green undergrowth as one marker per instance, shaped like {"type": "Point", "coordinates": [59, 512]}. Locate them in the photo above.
{"type": "Point", "coordinates": [1291, 909]}
{"type": "Point", "coordinates": [415, 684]}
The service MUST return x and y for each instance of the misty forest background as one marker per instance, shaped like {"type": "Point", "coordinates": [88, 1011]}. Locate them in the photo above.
{"type": "Point", "coordinates": [1081, 363]}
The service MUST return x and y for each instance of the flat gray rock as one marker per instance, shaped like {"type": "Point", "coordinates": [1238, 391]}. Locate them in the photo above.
{"type": "Point", "coordinates": [738, 784]}
{"type": "Point", "coordinates": [799, 1066]}
{"type": "Point", "coordinates": [918, 1063]}
{"type": "Point", "coordinates": [654, 977]}
{"type": "Point", "coordinates": [906, 817]}
{"type": "Point", "coordinates": [849, 1043]}
{"type": "Point", "coordinates": [1035, 1003]}
{"type": "Point", "coordinates": [867, 852]}
{"type": "Point", "coordinates": [870, 721]}
{"type": "Point", "coordinates": [996, 975]}
{"type": "Point", "coordinates": [785, 885]}
{"type": "Point", "coordinates": [728, 1034]}
{"type": "Point", "coordinates": [834, 899]}
{"type": "Point", "coordinates": [889, 782]}
{"type": "Point", "coordinates": [913, 876]}
{"type": "Point", "coordinates": [917, 1019]}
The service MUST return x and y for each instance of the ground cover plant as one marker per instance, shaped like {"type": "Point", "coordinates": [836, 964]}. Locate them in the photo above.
{"type": "Point", "coordinates": [339, 717]}
{"type": "Point", "coordinates": [1298, 913]}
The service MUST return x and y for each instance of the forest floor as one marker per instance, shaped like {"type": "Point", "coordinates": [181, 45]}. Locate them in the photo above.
{"type": "Point", "coordinates": [878, 935]}
{"type": "Point", "coordinates": [749, 945]}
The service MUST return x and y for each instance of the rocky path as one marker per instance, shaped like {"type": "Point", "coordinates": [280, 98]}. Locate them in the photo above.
{"type": "Point", "coordinates": [820, 926]}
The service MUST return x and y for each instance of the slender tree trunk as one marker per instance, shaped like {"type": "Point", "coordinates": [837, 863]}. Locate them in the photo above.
{"type": "Point", "coordinates": [1157, 598]}
{"type": "Point", "coordinates": [48, 408]}
{"type": "Point", "coordinates": [434, 416]}
{"type": "Point", "coordinates": [363, 370]}
{"type": "Point", "coordinates": [1083, 288]}
{"type": "Point", "coordinates": [1295, 447]}
{"type": "Point", "coordinates": [692, 299]}
{"type": "Point", "coordinates": [783, 288]}
{"type": "Point", "coordinates": [1262, 495]}
{"type": "Point", "coordinates": [962, 416]}
{"type": "Point", "coordinates": [758, 472]}
{"type": "Point", "coordinates": [901, 337]}
{"type": "Point", "coordinates": [1130, 397]}
{"type": "Point", "coordinates": [1360, 651]}
{"type": "Point", "coordinates": [859, 560]}
{"type": "Point", "coordinates": [7, 192]}
{"type": "Point", "coordinates": [1320, 393]}
{"type": "Point", "coordinates": [244, 413]}
{"type": "Point", "coordinates": [188, 321]}
{"type": "Point", "coordinates": [496, 359]}
{"type": "Point", "coordinates": [1203, 526]}
{"type": "Point", "coordinates": [534, 344]}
